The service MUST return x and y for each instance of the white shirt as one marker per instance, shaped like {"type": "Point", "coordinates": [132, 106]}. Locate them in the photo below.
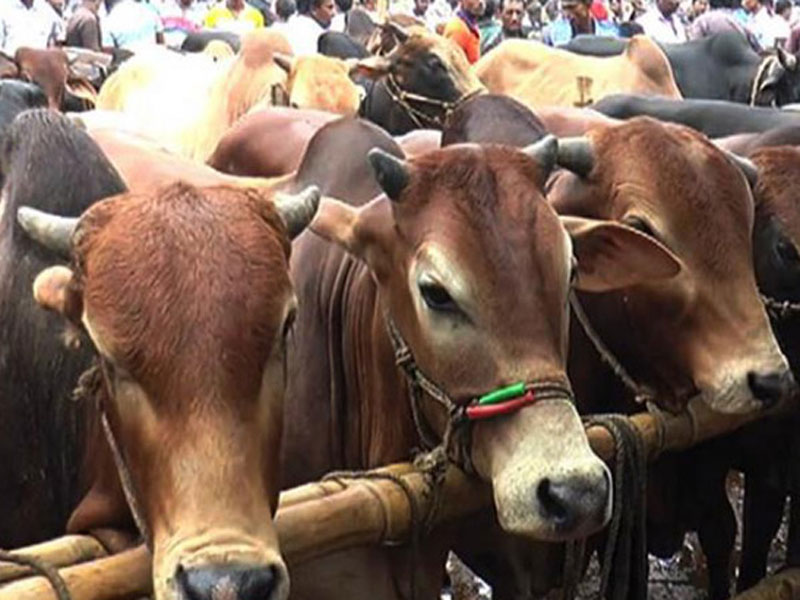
{"type": "Point", "coordinates": [131, 25]}
{"type": "Point", "coordinates": [302, 32]}
{"type": "Point", "coordinates": [35, 27]}
{"type": "Point", "coordinates": [663, 29]}
{"type": "Point", "coordinates": [769, 28]}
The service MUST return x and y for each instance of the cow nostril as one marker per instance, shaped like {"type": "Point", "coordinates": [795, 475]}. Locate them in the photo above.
{"type": "Point", "coordinates": [241, 582]}
{"type": "Point", "coordinates": [770, 388]}
{"type": "Point", "coordinates": [552, 506]}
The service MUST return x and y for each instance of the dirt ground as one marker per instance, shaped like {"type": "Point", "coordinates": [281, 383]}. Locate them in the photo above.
{"type": "Point", "coordinates": [683, 577]}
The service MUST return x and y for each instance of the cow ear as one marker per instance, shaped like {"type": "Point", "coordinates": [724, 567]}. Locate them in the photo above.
{"type": "Point", "coordinates": [372, 67]}
{"type": "Point", "coordinates": [360, 231]}
{"type": "Point", "coordinates": [53, 290]}
{"type": "Point", "coordinates": [612, 256]}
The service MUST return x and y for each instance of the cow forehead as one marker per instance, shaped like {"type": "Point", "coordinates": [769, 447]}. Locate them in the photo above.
{"type": "Point", "coordinates": [777, 188]}
{"type": "Point", "coordinates": [184, 279]}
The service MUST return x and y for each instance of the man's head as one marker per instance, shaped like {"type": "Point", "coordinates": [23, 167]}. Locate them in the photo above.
{"type": "Point", "coordinates": [511, 12]}
{"type": "Point", "coordinates": [750, 6]}
{"type": "Point", "coordinates": [472, 7]}
{"type": "Point", "coordinates": [185, 3]}
{"type": "Point", "coordinates": [699, 7]}
{"type": "Point", "coordinates": [667, 7]}
{"type": "Point", "coordinates": [285, 9]}
{"type": "Point", "coordinates": [577, 11]}
{"type": "Point", "coordinates": [323, 11]}
{"type": "Point", "coordinates": [344, 5]}
{"type": "Point", "coordinates": [235, 4]}
{"type": "Point", "coordinates": [92, 5]}
{"type": "Point", "coordinates": [783, 8]}
{"type": "Point", "coordinates": [421, 7]}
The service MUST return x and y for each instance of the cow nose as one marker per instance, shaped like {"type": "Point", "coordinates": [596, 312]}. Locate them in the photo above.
{"type": "Point", "coordinates": [770, 388]}
{"type": "Point", "coordinates": [235, 582]}
{"type": "Point", "coordinates": [571, 499]}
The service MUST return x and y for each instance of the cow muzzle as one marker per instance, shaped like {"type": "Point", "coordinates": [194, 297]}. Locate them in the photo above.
{"type": "Point", "coordinates": [548, 484]}
{"type": "Point", "coordinates": [230, 582]}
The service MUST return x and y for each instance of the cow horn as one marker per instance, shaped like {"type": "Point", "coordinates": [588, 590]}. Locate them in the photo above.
{"type": "Point", "coordinates": [284, 61]}
{"type": "Point", "coordinates": [51, 231]}
{"type": "Point", "coordinates": [746, 166]}
{"type": "Point", "coordinates": [544, 152]}
{"type": "Point", "coordinates": [576, 155]}
{"type": "Point", "coordinates": [297, 210]}
{"type": "Point", "coordinates": [390, 172]}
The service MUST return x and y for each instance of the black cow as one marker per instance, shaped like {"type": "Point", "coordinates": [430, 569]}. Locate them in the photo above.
{"type": "Point", "coordinates": [16, 97]}
{"type": "Point", "coordinates": [720, 67]}
{"type": "Point", "coordinates": [41, 427]}
{"type": "Point", "coordinates": [493, 119]}
{"type": "Point", "coordinates": [715, 118]}
{"type": "Point", "coordinates": [340, 45]}
{"type": "Point", "coordinates": [198, 40]}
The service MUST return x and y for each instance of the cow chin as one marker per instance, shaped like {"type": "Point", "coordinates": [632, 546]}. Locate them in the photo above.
{"type": "Point", "coordinates": [548, 484]}
{"type": "Point", "coordinates": [218, 565]}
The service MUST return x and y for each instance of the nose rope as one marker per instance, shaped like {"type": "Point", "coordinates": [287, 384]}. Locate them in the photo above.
{"type": "Point", "coordinates": [42, 568]}
{"type": "Point", "coordinates": [779, 310]}
{"type": "Point", "coordinates": [419, 117]}
{"type": "Point", "coordinates": [641, 393]}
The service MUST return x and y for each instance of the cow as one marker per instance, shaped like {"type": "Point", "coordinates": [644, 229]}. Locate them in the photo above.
{"type": "Point", "coordinates": [493, 119]}
{"type": "Point", "coordinates": [745, 144]}
{"type": "Point", "coordinates": [190, 398]}
{"type": "Point", "coordinates": [715, 118]}
{"type": "Point", "coordinates": [267, 143]}
{"type": "Point", "coordinates": [16, 97]}
{"type": "Point", "coordinates": [723, 66]}
{"type": "Point", "coordinates": [144, 166]}
{"type": "Point", "coordinates": [417, 85]}
{"type": "Point", "coordinates": [340, 45]}
{"type": "Point", "coordinates": [711, 336]}
{"type": "Point", "coordinates": [538, 75]}
{"type": "Point", "coordinates": [494, 316]}
{"type": "Point", "coordinates": [197, 99]}
{"type": "Point", "coordinates": [196, 41]}
{"type": "Point", "coordinates": [41, 428]}
{"type": "Point", "coordinates": [320, 82]}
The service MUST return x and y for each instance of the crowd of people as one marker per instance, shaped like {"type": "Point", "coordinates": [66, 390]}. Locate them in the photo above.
{"type": "Point", "coordinates": [476, 26]}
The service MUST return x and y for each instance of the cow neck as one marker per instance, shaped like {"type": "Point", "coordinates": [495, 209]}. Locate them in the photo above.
{"type": "Point", "coordinates": [641, 393]}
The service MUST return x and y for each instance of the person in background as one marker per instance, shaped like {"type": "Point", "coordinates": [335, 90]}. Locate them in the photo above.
{"type": "Point", "coordinates": [699, 7]}
{"type": "Point", "coordinates": [719, 19]}
{"type": "Point", "coordinates": [489, 27]}
{"type": "Point", "coordinates": [180, 18]}
{"type": "Point", "coordinates": [234, 15]}
{"type": "Point", "coordinates": [511, 14]}
{"type": "Point", "coordinates": [662, 23]}
{"type": "Point", "coordinates": [420, 10]}
{"type": "Point", "coordinates": [83, 28]}
{"type": "Point", "coordinates": [284, 9]}
{"type": "Point", "coordinates": [439, 13]}
{"type": "Point", "coordinates": [577, 19]}
{"type": "Point", "coordinates": [339, 21]}
{"type": "Point", "coordinates": [768, 28]}
{"type": "Point", "coordinates": [32, 23]}
{"type": "Point", "coordinates": [303, 29]}
{"type": "Point", "coordinates": [132, 24]}
{"type": "Point", "coordinates": [463, 29]}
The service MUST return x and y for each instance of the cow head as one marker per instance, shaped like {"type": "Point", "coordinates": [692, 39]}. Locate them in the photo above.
{"type": "Point", "coordinates": [321, 83]}
{"type": "Point", "coordinates": [47, 68]}
{"type": "Point", "coordinates": [705, 330]}
{"type": "Point", "coordinates": [776, 237]}
{"type": "Point", "coordinates": [186, 297]}
{"type": "Point", "coordinates": [427, 65]}
{"type": "Point", "coordinates": [781, 81]}
{"type": "Point", "coordinates": [473, 267]}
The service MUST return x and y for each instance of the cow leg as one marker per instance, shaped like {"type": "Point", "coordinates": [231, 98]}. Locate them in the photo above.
{"type": "Point", "coordinates": [716, 528]}
{"type": "Point", "coordinates": [763, 509]}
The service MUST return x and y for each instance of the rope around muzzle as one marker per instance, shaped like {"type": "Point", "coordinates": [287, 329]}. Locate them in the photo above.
{"type": "Point", "coordinates": [624, 569]}
{"type": "Point", "coordinates": [419, 117]}
{"type": "Point", "coordinates": [42, 568]}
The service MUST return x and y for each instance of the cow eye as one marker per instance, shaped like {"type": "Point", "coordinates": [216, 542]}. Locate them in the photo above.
{"type": "Point", "coordinates": [640, 225]}
{"type": "Point", "coordinates": [787, 251]}
{"type": "Point", "coordinates": [436, 297]}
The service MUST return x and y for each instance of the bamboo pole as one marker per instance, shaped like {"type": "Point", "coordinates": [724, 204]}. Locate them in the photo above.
{"type": "Point", "coordinates": [328, 516]}
{"type": "Point", "coordinates": [60, 552]}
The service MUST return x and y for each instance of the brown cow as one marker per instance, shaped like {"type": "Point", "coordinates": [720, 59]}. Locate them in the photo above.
{"type": "Point", "coordinates": [465, 261]}
{"type": "Point", "coordinates": [538, 75]}
{"type": "Point", "coordinates": [322, 83]}
{"type": "Point", "coordinates": [703, 332]}
{"type": "Point", "coordinates": [190, 391]}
